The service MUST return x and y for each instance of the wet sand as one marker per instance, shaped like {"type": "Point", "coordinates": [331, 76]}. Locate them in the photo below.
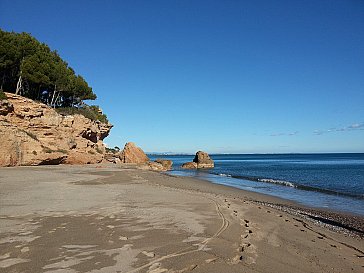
{"type": "Point", "coordinates": [69, 219]}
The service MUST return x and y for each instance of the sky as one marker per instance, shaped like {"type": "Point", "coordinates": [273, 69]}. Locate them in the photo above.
{"type": "Point", "coordinates": [224, 76]}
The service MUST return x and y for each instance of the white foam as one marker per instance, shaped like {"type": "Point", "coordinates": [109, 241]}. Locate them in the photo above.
{"type": "Point", "coordinates": [279, 182]}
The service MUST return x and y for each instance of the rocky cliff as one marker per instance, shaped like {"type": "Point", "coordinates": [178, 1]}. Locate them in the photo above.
{"type": "Point", "coordinates": [32, 133]}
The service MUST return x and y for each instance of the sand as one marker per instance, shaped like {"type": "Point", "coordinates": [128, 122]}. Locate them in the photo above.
{"type": "Point", "coordinates": [67, 219]}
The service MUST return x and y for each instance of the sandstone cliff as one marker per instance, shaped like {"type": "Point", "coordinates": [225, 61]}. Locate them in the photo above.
{"type": "Point", "coordinates": [32, 133]}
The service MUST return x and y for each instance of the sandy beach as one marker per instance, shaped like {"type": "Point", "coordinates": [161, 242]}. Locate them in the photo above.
{"type": "Point", "coordinates": [100, 218]}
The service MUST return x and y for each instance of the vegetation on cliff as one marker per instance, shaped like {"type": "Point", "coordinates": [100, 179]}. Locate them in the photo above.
{"type": "Point", "coordinates": [2, 95]}
{"type": "Point", "coordinates": [92, 112]}
{"type": "Point", "coordinates": [31, 69]}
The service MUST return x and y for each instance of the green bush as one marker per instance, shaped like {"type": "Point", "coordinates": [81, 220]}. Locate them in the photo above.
{"type": "Point", "coordinates": [114, 150]}
{"type": "Point", "coordinates": [2, 95]}
{"type": "Point", "coordinates": [92, 112]}
{"type": "Point", "coordinates": [33, 136]}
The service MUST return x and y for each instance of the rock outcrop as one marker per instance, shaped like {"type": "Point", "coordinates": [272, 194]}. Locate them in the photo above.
{"type": "Point", "coordinates": [189, 165]}
{"type": "Point", "coordinates": [133, 154]}
{"type": "Point", "coordinates": [32, 133]}
{"type": "Point", "coordinates": [152, 166]}
{"type": "Point", "coordinates": [167, 164]}
{"type": "Point", "coordinates": [201, 161]}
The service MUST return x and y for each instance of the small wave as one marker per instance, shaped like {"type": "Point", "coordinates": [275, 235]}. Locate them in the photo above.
{"type": "Point", "coordinates": [225, 175]}
{"type": "Point", "coordinates": [279, 182]}
{"type": "Point", "coordinates": [296, 186]}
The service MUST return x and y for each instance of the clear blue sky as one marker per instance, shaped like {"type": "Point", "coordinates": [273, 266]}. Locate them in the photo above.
{"type": "Point", "coordinates": [221, 76]}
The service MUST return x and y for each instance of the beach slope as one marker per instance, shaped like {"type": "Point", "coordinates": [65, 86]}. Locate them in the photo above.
{"type": "Point", "coordinates": [108, 219]}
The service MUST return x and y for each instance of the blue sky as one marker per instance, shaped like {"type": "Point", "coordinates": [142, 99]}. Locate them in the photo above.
{"type": "Point", "coordinates": [221, 76]}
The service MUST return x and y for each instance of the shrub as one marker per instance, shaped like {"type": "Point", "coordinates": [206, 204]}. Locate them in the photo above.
{"type": "Point", "coordinates": [47, 150]}
{"type": "Point", "coordinates": [114, 150]}
{"type": "Point", "coordinates": [2, 95]}
{"type": "Point", "coordinates": [92, 112]}
{"type": "Point", "coordinates": [33, 136]}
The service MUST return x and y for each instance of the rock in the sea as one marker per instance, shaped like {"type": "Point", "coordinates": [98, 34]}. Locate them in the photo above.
{"type": "Point", "coordinates": [203, 160]}
{"type": "Point", "coordinates": [167, 164]}
{"type": "Point", "coordinates": [32, 133]}
{"type": "Point", "coordinates": [133, 154]}
{"type": "Point", "coordinates": [189, 165]}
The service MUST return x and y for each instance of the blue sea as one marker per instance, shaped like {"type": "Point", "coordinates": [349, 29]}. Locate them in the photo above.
{"type": "Point", "coordinates": [331, 181]}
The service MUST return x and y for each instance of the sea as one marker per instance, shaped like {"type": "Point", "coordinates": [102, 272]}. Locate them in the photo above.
{"type": "Point", "coordinates": [328, 181]}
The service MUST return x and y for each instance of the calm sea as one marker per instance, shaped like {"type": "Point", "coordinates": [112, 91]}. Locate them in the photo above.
{"type": "Point", "coordinates": [334, 181]}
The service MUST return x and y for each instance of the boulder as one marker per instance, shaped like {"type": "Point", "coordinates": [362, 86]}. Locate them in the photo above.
{"type": "Point", "coordinates": [189, 165]}
{"type": "Point", "coordinates": [153, 166]}
{"type": "Point", "coordinates": [32, 133]}
{"type": "Point", "coordinates": [133, 154]}
{"type": "Point", "coordinates": [203, 160]}
{"type": "Point", "coordinates": [112, 158]}
{"type": "Point", "coordinates": [167, 164]}
{"type": "Point", "coordinates": [5, 107]}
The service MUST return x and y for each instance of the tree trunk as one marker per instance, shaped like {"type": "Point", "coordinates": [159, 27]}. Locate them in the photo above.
{"type": "Point", "coordinates": [54, 93]}
{"type": "Point", "coordinates": [19, 85]}
{"type": "Point", "coordinates": [55, 102]}
{"type": "Point", "coordinates": [2, 82]}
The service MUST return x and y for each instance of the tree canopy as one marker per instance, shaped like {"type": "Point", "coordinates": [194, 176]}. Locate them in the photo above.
{"type": "Point", "coordinates": [31, 69]}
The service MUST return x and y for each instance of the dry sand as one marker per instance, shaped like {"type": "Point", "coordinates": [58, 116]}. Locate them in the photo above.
{"type": "Point", "coordinates": [67, 219]}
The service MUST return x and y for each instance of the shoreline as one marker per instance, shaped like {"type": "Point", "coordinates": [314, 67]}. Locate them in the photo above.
{"type": "Point", "coordinates": [104, 218]}
{"type": "Point", "coordinates": [340, 221]}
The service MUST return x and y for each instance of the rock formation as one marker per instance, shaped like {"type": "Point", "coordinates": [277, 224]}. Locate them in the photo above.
{"type": "Point", "coordinates": [32, 133]}
{"type": "Point", "coordinates": [167, 164]}
{"type": "Point", "coordinates": [201, 161]}
{"type": "Point", "coordinates": [133, 154]}
{"type": "Point", "coordinates": [189, 165]}
{"type": "Point", "coordinates": [152, 166]}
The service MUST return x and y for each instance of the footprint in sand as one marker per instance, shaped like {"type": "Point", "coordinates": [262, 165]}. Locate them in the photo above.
{"type": "Point", "coordinates": [148, 254]}
{"type": "Point", "coordinates": [24, 249]}
{"type": "Point", "coordinates": [155, 268]}
{"type": "Point", "coordinates": [244, 246]}
{"type": "Point", "coordinates": [237, 259]}
{"type": "Point", "coordinates": [210, 260]}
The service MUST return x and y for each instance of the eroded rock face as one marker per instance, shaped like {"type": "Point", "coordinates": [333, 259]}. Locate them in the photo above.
{"type": "Point", "coordinates": [133, 154]}
{"type": "Point", "coordinates": [203, 160]}
{"type": "Point", "coordinates": [32, 133]}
